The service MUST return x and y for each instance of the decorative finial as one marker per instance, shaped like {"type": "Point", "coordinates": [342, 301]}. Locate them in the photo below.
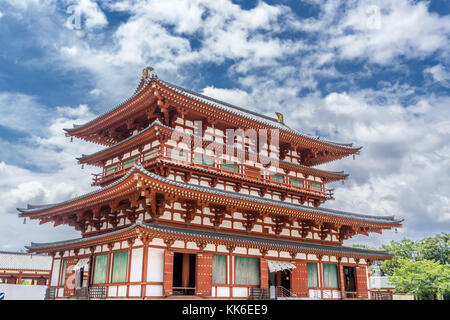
{"type": "Point", "coordinates": [146, 72]}
{"type": "Point", "coordinates": [280, 117]}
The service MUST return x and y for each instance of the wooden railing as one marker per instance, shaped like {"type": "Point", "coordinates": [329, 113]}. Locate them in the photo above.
{"type": "Point", "coordinates": [87, 293]}
{"type": "Point", "coordinates": [50, 294]}
{"type": "Point", "coordinates": [243, 171]}
{"type": "Point", "coordinates": [258, 294]}
{"type": "Point", "coordinates": [282, 292]}
{"type": "Point", "coordinates": [351, 294]}
{"type": "Point", "coordinates": [183, 291]}
{"type": "Point", "coordinates": [378, 295]}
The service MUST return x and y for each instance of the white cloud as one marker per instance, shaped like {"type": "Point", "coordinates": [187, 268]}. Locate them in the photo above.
{"type": "Point", "coordinates": [86, 10]}
{"type": "Point", "coordinates": [40, 168]}
{"type": "Point", "coordinates": [439, 74]}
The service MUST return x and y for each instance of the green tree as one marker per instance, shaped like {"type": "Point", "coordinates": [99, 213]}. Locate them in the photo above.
{"type": "Point", "coordinates": [436, 248]}
{"type": "Point", "coordinates": [425, 279]}
{"type": "Point", "coordinates": [404, 249]}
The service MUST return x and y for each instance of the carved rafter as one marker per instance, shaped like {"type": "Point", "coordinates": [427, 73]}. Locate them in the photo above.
{"type": "Point", "coordinates": [280, 223]}
{"type": "Point", "coordinates": [219, 212]}
{"type": "Point", "coordinates": [284, 150]}
{"type": "Point", "coordinates": [155, 203]}
{"type": "Point", "coordinates": [190, 207]}
{"type": "Point", "coordinates": [251, 217]}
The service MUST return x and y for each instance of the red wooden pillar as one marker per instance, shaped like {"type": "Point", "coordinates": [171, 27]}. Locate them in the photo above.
{"type": "Point", "coordinates": [19, 281]}
{"type": "Point", "coordinates": [341, 278]}
{"type": "Point", "coordinates": [320, 270]}
{"type": "Point", "coordinates": [144, 267]}
{"type": "Point", "coordinates": [204, 274]}
{"type": "Point", "coordinates": [264, 273]}
{"type": "Point", "coordinates": [361, 282]}
{"type": "Point", "coordinates": [185, 270]}
{"type": "Point", "coordinates": [299, 280]}
{"type": "Point", "coordinates": [168, 273]}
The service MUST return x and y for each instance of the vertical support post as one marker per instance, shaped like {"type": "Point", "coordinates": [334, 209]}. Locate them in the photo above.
{"type": "Point", "coordinates": [168, 272]}
{"type": "Point", "coordinates": [145, 241]}
{"type": "Point", "coordinates": [341, 277]}
{"type": "Point", "coordinates": [185, 271]}
{"type": "Point", "coordinates": [320, 267]}
{"type": "Point", "coordinates": [263, 273]}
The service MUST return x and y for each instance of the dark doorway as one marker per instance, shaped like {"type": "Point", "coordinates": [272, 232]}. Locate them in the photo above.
{"type": "Point", "coordinates": [281, 281]}
{"type": "Point", "coordinates": [350, 281]}
{"type": "Point", "coordinates": [183, 274]}
{"type": "Point", "coordinates": [285, 276]}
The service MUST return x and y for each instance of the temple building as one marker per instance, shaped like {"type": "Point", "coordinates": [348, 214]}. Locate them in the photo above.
{"type": "Point", "coordinates": [24, 268]}
{"type": "Point", "coordinates": [198, 197]}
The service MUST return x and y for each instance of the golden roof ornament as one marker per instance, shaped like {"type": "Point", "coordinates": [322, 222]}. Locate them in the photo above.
{"type": "Point", "coordinates": [280, 117]}
{"type": "Point", "coordinates": [146, 72]}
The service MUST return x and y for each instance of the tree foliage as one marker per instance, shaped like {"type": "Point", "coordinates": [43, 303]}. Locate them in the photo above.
{"type": "Point", "coordinates": [420, 267]}
{"type": "Point", "coordinates": [425, 279]}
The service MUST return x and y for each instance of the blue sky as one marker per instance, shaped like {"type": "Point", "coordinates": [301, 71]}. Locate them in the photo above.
{"type": "Point", "coordinates": [375, 73]}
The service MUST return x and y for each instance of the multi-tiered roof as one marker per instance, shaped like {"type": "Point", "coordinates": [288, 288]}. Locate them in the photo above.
{"type": "Point", "coordinates": [147, 180]}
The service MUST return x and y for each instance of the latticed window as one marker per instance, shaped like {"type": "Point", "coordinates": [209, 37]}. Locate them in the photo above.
{"type": "Point", "coordinates": [315, 186]}
{"type": "Point", "coordinates": [63, 277]}
{"type": "Point", "coordinates": [111, 169]}
{"type": "Point", "coordinates": [130, 162]}
{"type": "Point", "coordinates": [247, 270]}
{"type": "Point", "coordinates": [219, 269]}
{"type": "Point", "coordinates": [176, 153]}
{"type": "Point", "coordinates": [100, 266]}
{"type": "Point", "coordinates": [150, 154]}
{"type": "Point", "coordinates": [311, 274]}
{"type": "Point", "coordinates": [330, 279]}
{"type": "Point", "coordinates": [200, 159]}
{"type": "Point", "coordinates": [230, 166]}
{"type": "Point", "coordinates": [119, 272]}
{"type": "Point", "coordinates": [277, 177]}
{"type": "Point", "coordinates": [296, 182]}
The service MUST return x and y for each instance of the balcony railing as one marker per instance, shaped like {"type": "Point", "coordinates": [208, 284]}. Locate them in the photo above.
{"type": "Point", "coordinates": [88, 293]}
{"type": "Point", "coordinates": [351, 294]}
{"type": "Point", "coordinates": [197, 160]}
{"type": "Point", "coordinates": [258, 294]}
{"type": "Point", "coordinates": [378, 295]}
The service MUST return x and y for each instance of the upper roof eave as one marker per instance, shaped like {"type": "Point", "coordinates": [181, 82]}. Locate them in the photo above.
{"type": "Point", "coordinates": [251, 115]}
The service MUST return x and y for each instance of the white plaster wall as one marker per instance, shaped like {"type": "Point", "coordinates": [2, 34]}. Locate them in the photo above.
{"type": "Point", "coordinates": [136, 264]}
{"type": "Point", "coordinates": [155, 265]}
{"type": "Point", "coordinates": [154, 290]}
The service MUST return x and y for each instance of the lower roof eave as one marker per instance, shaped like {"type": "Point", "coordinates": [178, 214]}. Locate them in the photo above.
{"type": "Point", "coordinates": [214, 237]}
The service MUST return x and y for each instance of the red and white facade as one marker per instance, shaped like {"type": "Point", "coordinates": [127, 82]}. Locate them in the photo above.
{"type": "Point", "coordinates": [177, 214]}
